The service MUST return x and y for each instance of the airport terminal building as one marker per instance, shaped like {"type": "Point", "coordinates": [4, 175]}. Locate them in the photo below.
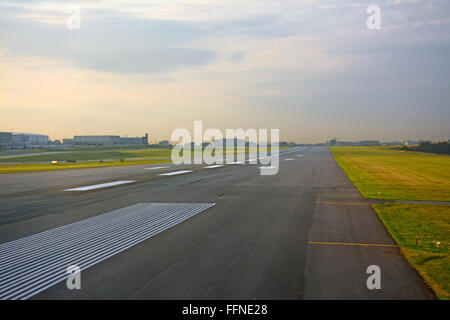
{"type": "Point", "coordinates": [22, 140]}
{"type": "Point", "coordinates": [108, 140]}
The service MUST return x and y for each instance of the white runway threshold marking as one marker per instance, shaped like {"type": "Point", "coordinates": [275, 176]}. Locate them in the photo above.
{"type": "Point", "coordinates": [174, 173]}
{"type": "Point", "coordinates": [155, 168]}
{"type": "Point", "coordinates": [101, 185]}
{"type": "Point", "coordinates": [37, 262]}
{"type": "Point", "coordinates": [213, 166]}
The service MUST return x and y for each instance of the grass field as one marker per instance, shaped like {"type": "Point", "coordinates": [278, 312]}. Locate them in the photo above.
{"type": "Point", "coordinates": [103, 154]}
{"type": "Point", "coordinates": [118, 156]}
{"type": "Point", "coordinates": [394, 174]}
{"type": "Point", "coordinates": [114, 154]}
{"type": "Point", "coordinates": [426, 224]}
{"type": "Point", "coordinates": [407, 175]}
{"type": "Point", "coordinates": [74, 148]}
{"type": "Point", "coordinates": [30, 167]}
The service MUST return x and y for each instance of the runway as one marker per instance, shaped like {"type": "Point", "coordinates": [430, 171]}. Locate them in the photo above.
{"type": "Point", "coordinates": [305, 233]}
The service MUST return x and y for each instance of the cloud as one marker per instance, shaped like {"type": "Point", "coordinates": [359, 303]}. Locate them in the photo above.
{"type": "Point", "coordinates": [314, 65]}
{"type": "Point", "coordinates": [237, 56]}
{"type": "Point", "coordinates": [114, 43]}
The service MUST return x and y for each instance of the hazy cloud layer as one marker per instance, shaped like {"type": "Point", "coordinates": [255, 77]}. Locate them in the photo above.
{"type": "Point", "coordinates": [115, 44]}
{"type": "Point", "coordinates": [309, 67]}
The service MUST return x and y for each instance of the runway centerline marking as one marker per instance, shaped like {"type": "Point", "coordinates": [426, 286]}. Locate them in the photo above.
{"type": "Point", "coordinates": [155, 168]}
{"type": "Point", "coordinates": [288, 159]}
{"type": "Point", "coordinates": [353, 244]}
{"type": "Point", "coordinates": [174, 173]}
{"type": "Point", "coordinates": [35, 263]}
{"type": "Point", "coordinates": [101, 185]}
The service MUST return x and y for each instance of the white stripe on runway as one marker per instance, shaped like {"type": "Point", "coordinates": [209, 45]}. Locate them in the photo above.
{"type": "Point", "coordinates": [173, 173]}
{"type": "Point", "coordinates": [236, 162]}
{"type": "Point", "coordinates": [37, 262]}
{"type": "Point", "coordinates": [299, 155]}
{"type": "Point", "coordinates": [268, 167]}
{"type": "Point", "coordinates": [155, 168]}
{"type": "Point", "coordinates": [213, 166]}
{"type": "Point", "coordinates": [288, 159]}
{"type": "Point", "coordinates": [101, 185]}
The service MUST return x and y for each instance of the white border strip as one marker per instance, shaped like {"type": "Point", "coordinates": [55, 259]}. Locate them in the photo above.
{"type": "Point", "coordinates": [173, 173]}
{"type": "Point", "coordinates": [213, 166]}
{"type": "Point", "coordinates": [37, 262]}
{"type": "Point", "coordinates": [101, 185]}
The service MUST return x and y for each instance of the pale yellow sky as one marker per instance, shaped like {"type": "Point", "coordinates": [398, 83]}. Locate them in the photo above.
{"type": "Point", "coordinates": [310, 69]}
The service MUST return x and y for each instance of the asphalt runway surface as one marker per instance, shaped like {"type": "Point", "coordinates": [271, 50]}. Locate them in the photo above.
{"type": "Point", "coordinates": [304, 233]}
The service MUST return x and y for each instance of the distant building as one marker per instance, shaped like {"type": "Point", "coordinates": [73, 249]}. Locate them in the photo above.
{"type": "Point", "coordinates": [138, 141]}
{"type": "Point", "coordinates": [353, 143]}
{"type": "Point", "coordinates": [164, 143]}
{"type": "Point", "coordinates": [96, 140]}
{"type": "Point", "coordinates": [332, 142]}
{"type": "Point", "coordinates": [412, 142]}
{"type": "Point", "coordinates": [109, 140]}
{"type": "Point", "coordinates": [22, 140]}
{"type": "Point", "coordinates": [368, 143]}
{"type": "Point", "coordinates": [6, 140]}
{"type": "Point", "coordinates": [391, 143]}
{"type": "Point", "coordinates": [29, 139]}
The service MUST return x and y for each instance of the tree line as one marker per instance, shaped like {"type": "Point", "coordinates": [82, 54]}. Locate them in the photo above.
{"type": "Point", "coordinates": [439, 147]}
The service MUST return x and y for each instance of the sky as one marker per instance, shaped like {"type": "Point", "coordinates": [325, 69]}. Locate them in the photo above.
{"type": "Point", "coordinates": [311, 68]}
